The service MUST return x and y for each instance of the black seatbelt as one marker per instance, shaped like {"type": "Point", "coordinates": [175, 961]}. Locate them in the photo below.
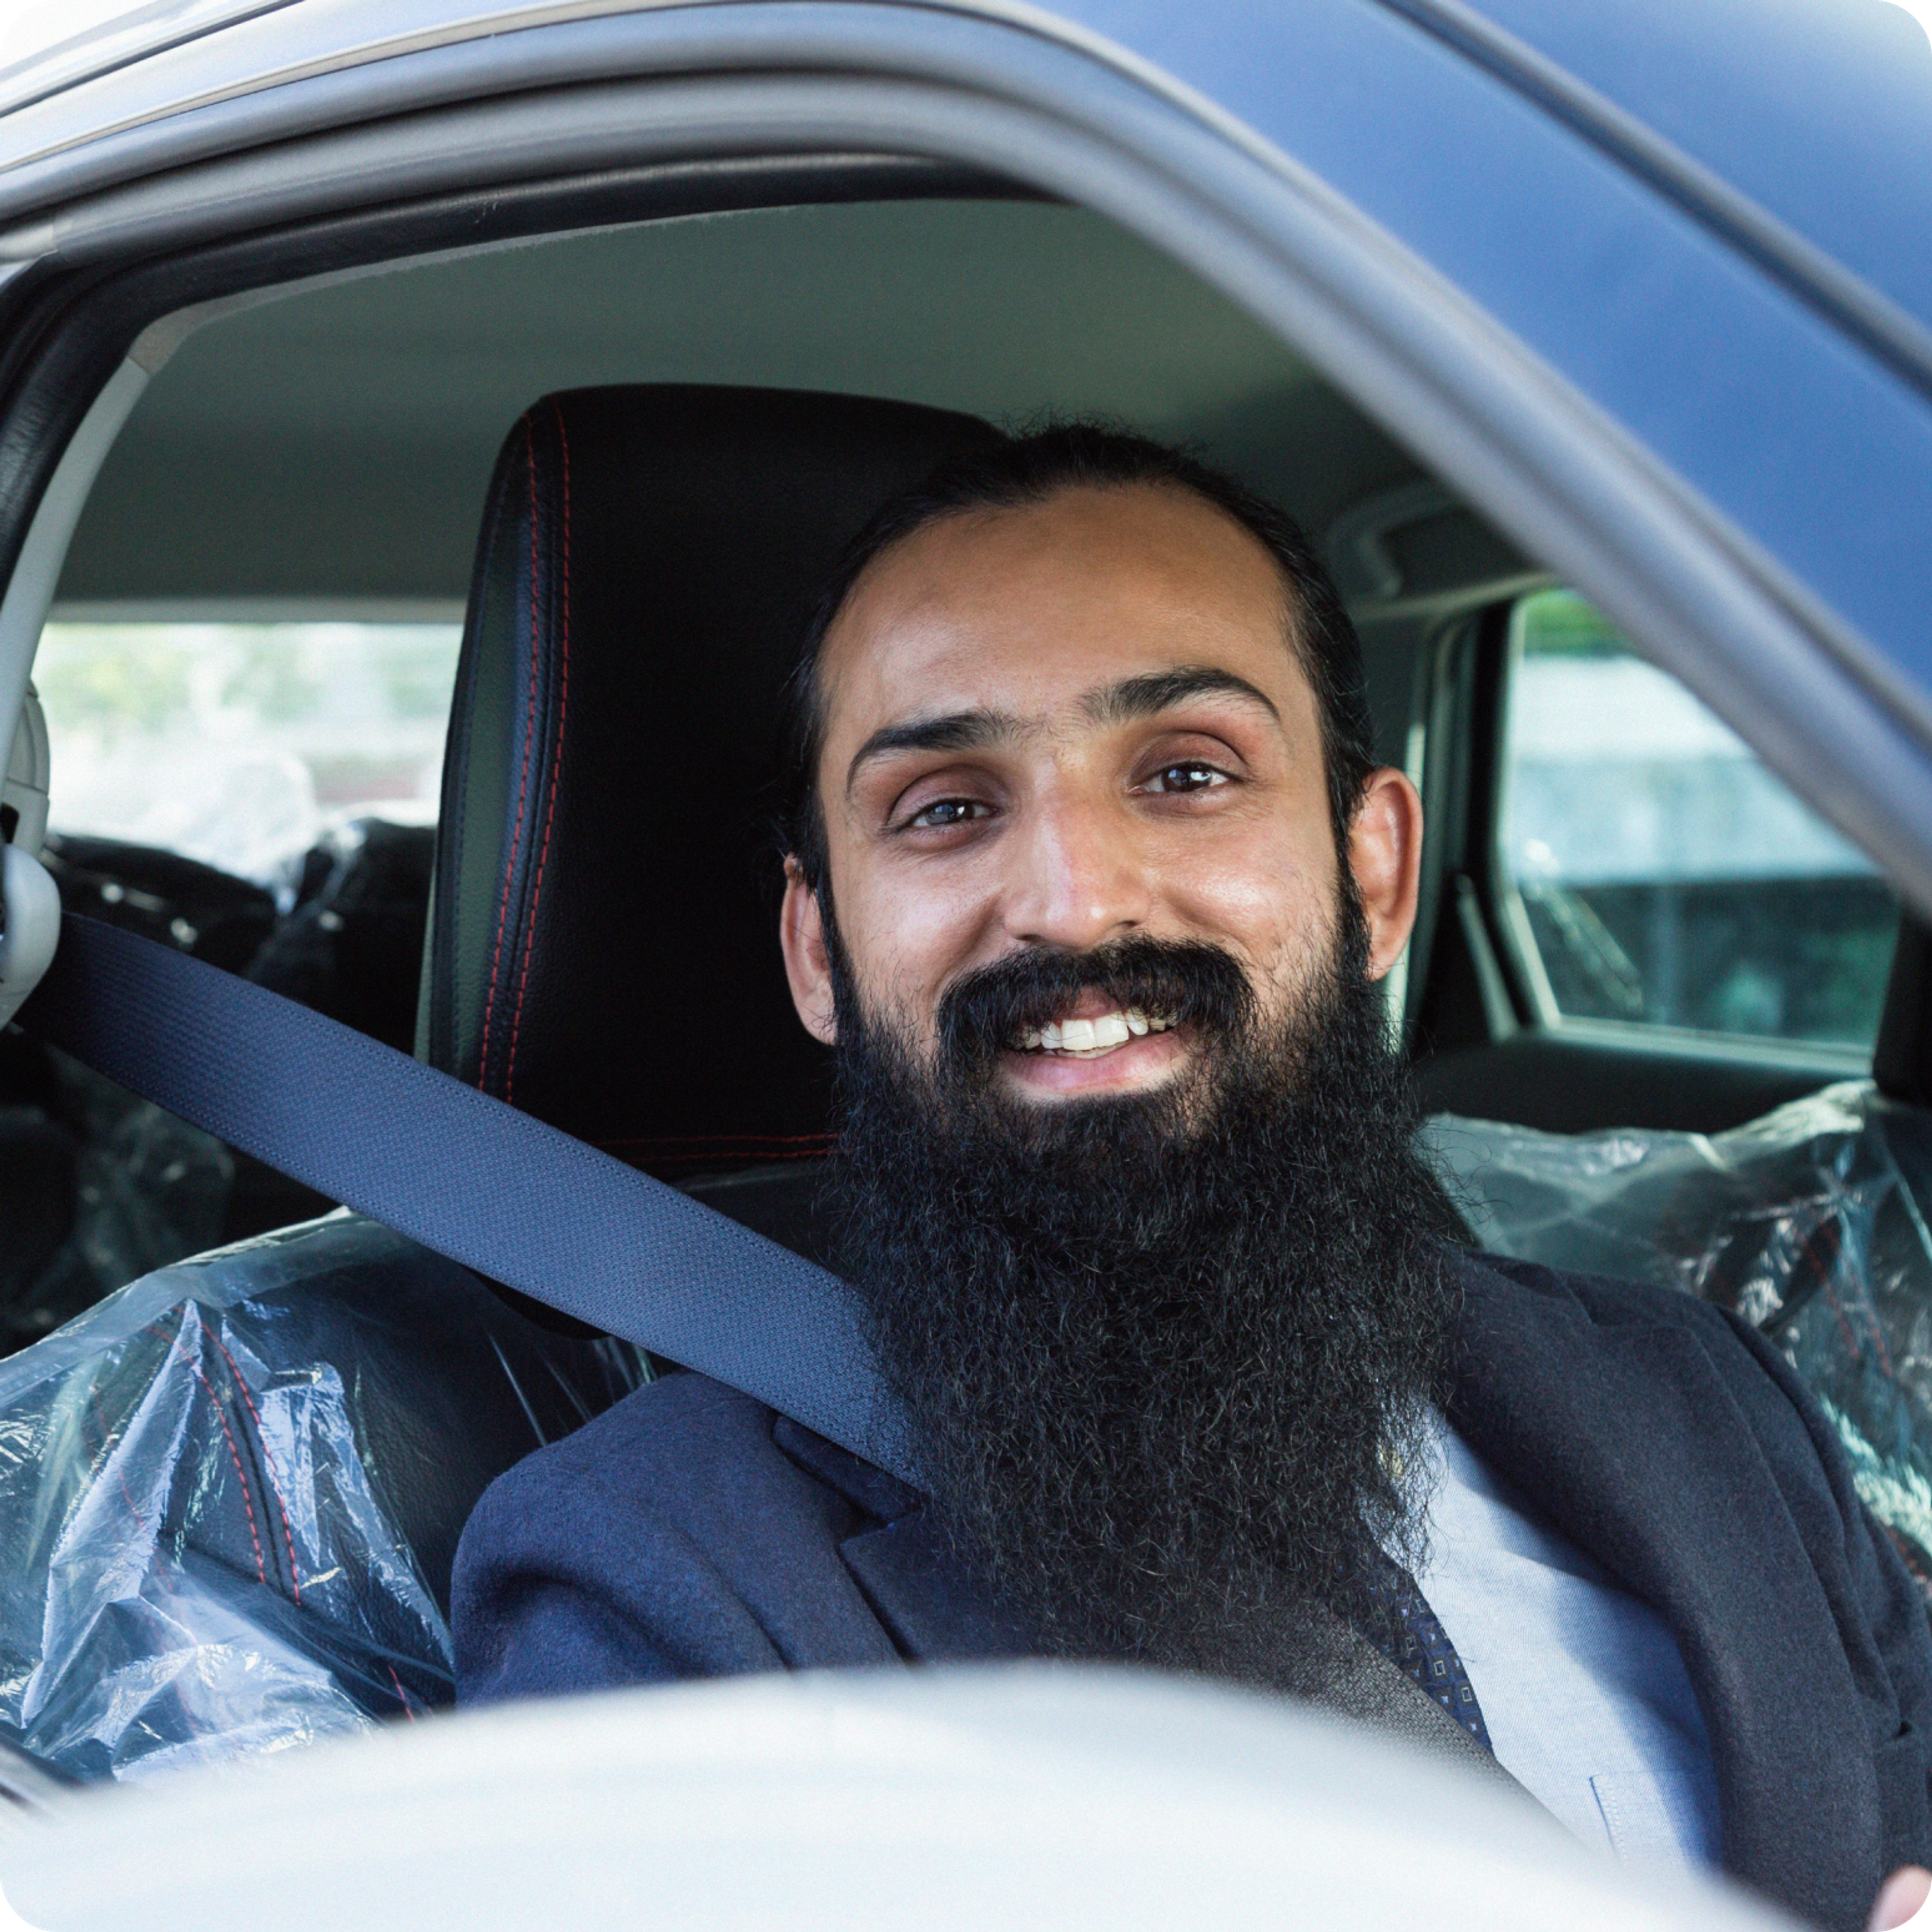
{"type": "Point", "coordinates": [460, 1172]}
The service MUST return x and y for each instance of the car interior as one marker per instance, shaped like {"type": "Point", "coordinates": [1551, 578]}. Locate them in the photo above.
{"type": "Point", "coordinates": [590, 478]}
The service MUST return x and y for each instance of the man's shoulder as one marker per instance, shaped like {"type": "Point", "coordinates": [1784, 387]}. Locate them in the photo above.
{"type": "Point", "coordinates": [674, 1535]}
{"type": "Point", "coordinates": [1521, 1317]}
{"type": "Point", "coordinates": [1521, 1323]}
{"type": "Point", "coordinates": [683, 1451]}
{"type": "Point", "coordinates": [662, 1423]}
{"type": "Point", "coordinates": [1499, 1284]}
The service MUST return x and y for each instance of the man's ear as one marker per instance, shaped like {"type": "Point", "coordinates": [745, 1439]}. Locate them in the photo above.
{"type": "Point", "coordinates": [1385, 855]}
{"type": "Point", "coordinates": [808, 965]}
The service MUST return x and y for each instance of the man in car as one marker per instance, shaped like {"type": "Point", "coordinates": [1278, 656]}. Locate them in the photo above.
{"type": "Point", "coordinates": [1091, 884]}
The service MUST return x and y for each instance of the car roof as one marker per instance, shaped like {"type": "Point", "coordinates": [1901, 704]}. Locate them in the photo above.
{"type": "Point", "coordinates": [45, 48]}
{"type": "Point", "coordinates": [1807, 121]}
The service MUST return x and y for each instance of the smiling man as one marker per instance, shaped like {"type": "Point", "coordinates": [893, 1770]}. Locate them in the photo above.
{"type": "Point", "coordinates": [1091, 885]}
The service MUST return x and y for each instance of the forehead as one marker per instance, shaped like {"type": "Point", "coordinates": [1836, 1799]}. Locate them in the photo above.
{"type": "Point", "coordinates": [1026, 609]}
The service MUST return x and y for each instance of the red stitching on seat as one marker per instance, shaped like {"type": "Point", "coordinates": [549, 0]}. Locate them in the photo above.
{"type": "Point", "coordinates": [268, 1458]}
{"type": "Point", "coordinates": [107, 1454]}
{"type": "Point", "coordinates": [556, 757]}
{"type": "Point", "coordinates": [523, 782]}
{"type": "Point", "coordinates": [726, 1153]}
{"type": "Point", "coordinates": [240, 1475]}
{"type": "Point", "coordinates": [1823, 1271]}
{"type": "Point", "coordinates": [402, 1695]}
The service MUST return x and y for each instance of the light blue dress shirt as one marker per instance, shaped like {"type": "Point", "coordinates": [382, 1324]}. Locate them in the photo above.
{"type": "Point", "coordinates": [1587, 1702]}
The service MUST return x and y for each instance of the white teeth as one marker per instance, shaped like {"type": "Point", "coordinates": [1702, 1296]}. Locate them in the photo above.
{"type": "Point", "coordinates": [1085, 1038]}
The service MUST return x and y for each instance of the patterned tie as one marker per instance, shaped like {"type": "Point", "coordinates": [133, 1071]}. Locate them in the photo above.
{"type": "Point", "coordinates": [1415, 1643]}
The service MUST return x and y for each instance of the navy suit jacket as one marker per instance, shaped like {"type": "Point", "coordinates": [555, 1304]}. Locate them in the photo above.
{"type": "Point", "coordinates": [689, 1531]}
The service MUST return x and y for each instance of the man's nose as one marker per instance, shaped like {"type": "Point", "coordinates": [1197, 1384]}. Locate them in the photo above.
{"type": "Point", "coordinates": [1079, 876]}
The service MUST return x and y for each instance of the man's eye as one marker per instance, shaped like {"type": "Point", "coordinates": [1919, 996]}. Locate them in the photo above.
{"type": "Point", "coordinates": [946, 811]}
{"type": "Point", "coordinates": [1188, 775]}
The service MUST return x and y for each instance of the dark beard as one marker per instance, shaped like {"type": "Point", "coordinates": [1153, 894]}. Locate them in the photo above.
{"type": "Point", "coordinates": [1167, 1354]}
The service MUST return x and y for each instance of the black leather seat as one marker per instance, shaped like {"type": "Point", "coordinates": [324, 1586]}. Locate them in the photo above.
{"type": "Point", "coordinates": [603, 946]}
{"type": "Point", "coordinates": [603, 940]}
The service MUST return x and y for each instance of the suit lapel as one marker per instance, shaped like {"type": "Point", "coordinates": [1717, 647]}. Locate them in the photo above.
{"type": "Point", "coordinates": [914, 1584]}
{"type": "Point", "coordinates": [1624, 1436]}
{"type": "Point", "coordinates": [900, 1561]}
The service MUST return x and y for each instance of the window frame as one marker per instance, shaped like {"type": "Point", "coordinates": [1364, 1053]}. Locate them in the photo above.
{"type": "Point", "coordinates": [1513, 937]}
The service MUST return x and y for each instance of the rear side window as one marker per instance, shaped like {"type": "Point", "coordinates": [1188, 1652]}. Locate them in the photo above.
{"type": "Point", "coordinates": [1665, 876]}
{"type": "Point", "coordinates": [241, 744]}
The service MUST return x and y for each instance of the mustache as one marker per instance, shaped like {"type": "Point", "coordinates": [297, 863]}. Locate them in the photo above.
{"type": "Point", "coordinates": [1188, 981]}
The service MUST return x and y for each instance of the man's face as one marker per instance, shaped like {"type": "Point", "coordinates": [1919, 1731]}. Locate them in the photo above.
{"type": "Point", "coordinates": [1069, 723]}
{"type": "Point", "coordinates": [1160, 1302]}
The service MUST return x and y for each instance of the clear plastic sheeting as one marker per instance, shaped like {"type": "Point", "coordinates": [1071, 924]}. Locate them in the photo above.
{"type": "Point", "coordinates": [230, 1494]}
{"type": "Point", "coordinates": [1810, 1222]}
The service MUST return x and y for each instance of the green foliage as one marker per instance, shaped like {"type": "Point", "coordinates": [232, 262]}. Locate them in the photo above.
{"type": "Point", "coordinates": [1559, 623]}
{"type": "Point", "coordinates": [111, 680]}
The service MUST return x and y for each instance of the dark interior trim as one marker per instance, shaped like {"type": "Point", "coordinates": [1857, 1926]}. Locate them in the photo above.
{"type": "Point", "coordinates": [1470, 992]}
{"type": "Point", "coordinates": [1902, 1057]}
{"type": "Point", "coordinates": [1568, 1080]}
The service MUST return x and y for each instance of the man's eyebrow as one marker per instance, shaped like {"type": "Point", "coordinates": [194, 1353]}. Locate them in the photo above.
{"type": "Point", "coordinates": [956, 731]}
{"type": "Point", "coordinates": [1156, 691]}
{"type": "Point", "coordinates": [1145, 696]}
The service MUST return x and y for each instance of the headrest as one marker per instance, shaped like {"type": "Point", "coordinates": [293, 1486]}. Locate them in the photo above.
{"type": "Point", "coordinates": [603, 948]}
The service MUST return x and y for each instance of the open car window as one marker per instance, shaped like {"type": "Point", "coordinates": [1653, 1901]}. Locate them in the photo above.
{"type": "Point", "coordinates": [333, 442]}
{"type": "Point", "coordinates": [241, 743]}
{"type": "Point", "coordinates": [1662, 876]}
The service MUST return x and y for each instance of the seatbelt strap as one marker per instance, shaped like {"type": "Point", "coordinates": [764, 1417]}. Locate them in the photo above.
{"type": "Point", "coordinates": [456, 1170]}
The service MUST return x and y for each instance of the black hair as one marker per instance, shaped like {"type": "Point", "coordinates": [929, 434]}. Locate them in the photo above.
{"type": "Point", "coordinates": [1015, 471]}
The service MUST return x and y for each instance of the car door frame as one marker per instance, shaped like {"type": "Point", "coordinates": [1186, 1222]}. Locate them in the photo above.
{"type": "Point", "coordinates": [316, 138]}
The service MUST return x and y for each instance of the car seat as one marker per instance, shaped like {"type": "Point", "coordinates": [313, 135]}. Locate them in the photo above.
{"type": "Point", "coordinates": [603, 948]}
{"type": "Point", "coordinates": [353, 946]}
{"type": "Point", "coordinates": [1810, 1222]}
{"type": "Point", "coordinates": [232, 1491]}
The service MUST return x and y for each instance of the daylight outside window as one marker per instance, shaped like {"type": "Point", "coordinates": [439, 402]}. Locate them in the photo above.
{"type": "Point", "coordinates": [242, 743]}
{"type": "Point", "coordinates": [1666, 877]}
